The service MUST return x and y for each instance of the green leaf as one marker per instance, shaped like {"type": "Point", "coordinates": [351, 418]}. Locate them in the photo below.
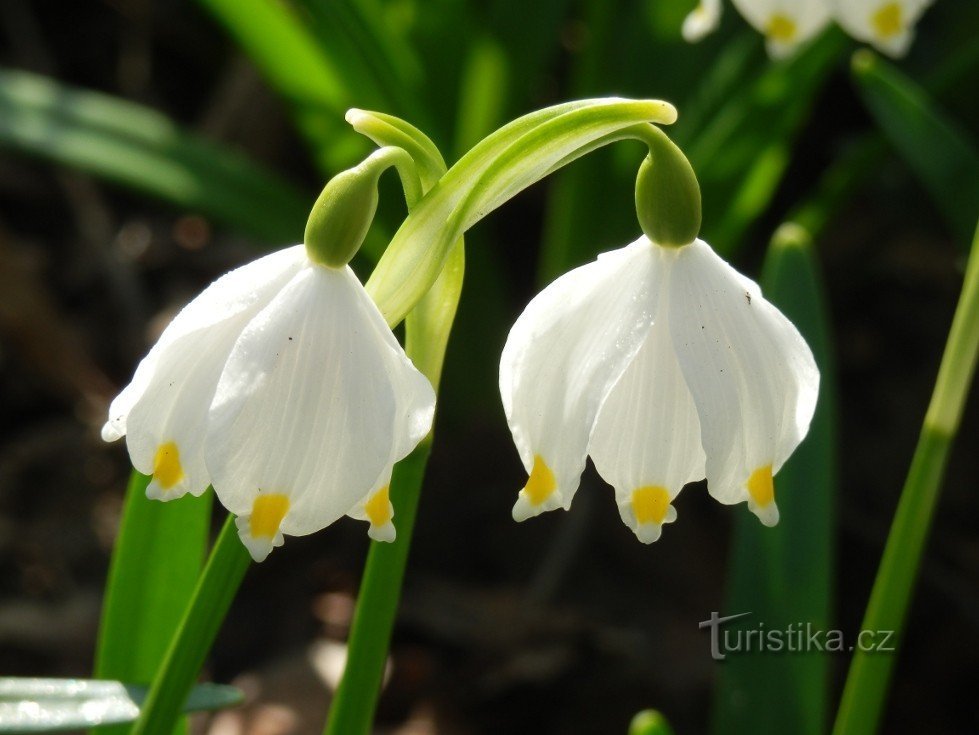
{"type": "Point", "coordinates": [783, 576]}
{"type": "Point", "coordinates": [742, 155]}
{"type": "Point", "coordinates": [55, 705]}
{"type": "Point", "coordinates": [374, 65]}
{"type": "Point", "coordinates": [293, 63]}
{"type": "Point", "coordinates": [937, 150]}
{"type": "Point", "coordinates": [869, 678]}
{"type": "Point", "coordinates": [155, 564]}
{"type": "Point", "coordinates": [201, 618]}
{"type": "Point", "coordinates": [142, 149]}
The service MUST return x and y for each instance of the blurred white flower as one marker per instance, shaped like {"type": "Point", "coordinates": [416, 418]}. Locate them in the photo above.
{"type": "Point", "coordinates": [786, 24]}
{"type": "Point", "coordinates": [282, 386]}
{"type": "Point", "coordinates": [702, 20]}
{"type": "Point", "coordinates": [886, 24]}
{"type": "Point", "coordinates": [665, 365]}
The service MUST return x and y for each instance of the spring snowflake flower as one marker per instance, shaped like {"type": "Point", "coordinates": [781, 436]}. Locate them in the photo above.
{"type": "Point", "coordinates": [282, 386]}
{"type": "Point", "coordinates": [702, 20]}
{"type": "Point", "coordinates": [665, 365]}
{"type": "Point", "coordinates": [886, 24]}
{"type": "Point", "coordinates": [786, 24]}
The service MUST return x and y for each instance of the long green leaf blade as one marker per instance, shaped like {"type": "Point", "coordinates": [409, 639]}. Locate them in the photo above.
{"type": "Point", "coordinates": [155, 565]}
{"type": "Point", "coordinates": [941, 154]}
{"type": "Point", "coordinates": [142, 149]}
{"type": "Point", "coordinates": [783, 576]}
{"type": "Point", "coordinates": [318, 82]}
{"type": "Point", "coordinates": [56, 705]}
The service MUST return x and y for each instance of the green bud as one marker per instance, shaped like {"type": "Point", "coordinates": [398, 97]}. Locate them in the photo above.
{"type": "Point", "coordinates": [649, 722]}
{"type": "Point", "coordinates": [667, 194]}
{"type": "Point", "coordinates": [345, 209]}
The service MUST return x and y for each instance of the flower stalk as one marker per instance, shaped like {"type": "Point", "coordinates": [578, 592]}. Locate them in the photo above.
{"type": "Point", "coordinates": [427, 329]}
{"type": "Point", "coordinates": [870, 673]}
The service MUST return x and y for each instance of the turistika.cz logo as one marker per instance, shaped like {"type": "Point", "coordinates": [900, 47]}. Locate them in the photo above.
{"type": "Point", "coordinates": [800, 637]}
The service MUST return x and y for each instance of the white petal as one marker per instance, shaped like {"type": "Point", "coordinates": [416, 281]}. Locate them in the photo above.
{"type": "Point", "coordinates": [785, 23]}
{"type": "Point", "coordinates": [163, 412]}
{"type": "Point", "coordinates": [702, 20]}
{"type": "Point", "coordinates": [234, 295]}
{"type": "Point", "coordinates": [562, 357]}
{"type": "Point", "coordinates": [887, 24]}
{"type": "Point", "coordinates": [646, 441]}
{"type": "Point", "coordinates": [752, 376]}
{"type": "Point", "coordinates": [316, 403]}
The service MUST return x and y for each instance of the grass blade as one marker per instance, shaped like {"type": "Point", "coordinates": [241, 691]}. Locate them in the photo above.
{"type": "Point", "coordinates": [201, 618]}
{"type": "Point", "coordinates": [155, 565]}
{"type": "Point", "coordinates": [784, 575]}
{"type": "Point", "coordinates": [942, 156]}
{"type": "Point", "coordinates": [741, 156]}
{"type": "Point", "coordinates": [870, 672]}
{"type": "Point", "coordinates": [142, 149]}
{"type": "Point", "coordinates": [56, 705]}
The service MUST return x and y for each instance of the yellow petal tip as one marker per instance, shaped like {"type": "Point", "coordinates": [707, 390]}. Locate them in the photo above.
{"type": "Point", "coordinates": [541, 483]}
{"type": "Point", "coordinates": [167, 471]}
{"type": "Point", "coordinates": [887, 21]}
{"type": "Point", "coordinates": [781, 28]}
{"type": "Point", "coordinates": [268, 510]}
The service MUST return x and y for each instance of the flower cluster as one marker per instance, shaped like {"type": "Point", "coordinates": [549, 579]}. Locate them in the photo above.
{"type": "Point", "coordinates": [282, 386]}
{"type": "Point", "coordinates": [786, 24]}
{"type": "Point", "coordinates": [666, 366]}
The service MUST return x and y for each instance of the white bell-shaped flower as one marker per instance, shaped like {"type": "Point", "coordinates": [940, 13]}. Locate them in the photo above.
{"type": "Point", "coordinates": [786, 24]}
{"type": "Point", "coordinates": [282, 386]}
{"type": "Point", "coordinates": [665, 365]}
{"type": "Point", "coordinates": [886, 24]}
{"type": "Point", "coordinates": [702, 20]}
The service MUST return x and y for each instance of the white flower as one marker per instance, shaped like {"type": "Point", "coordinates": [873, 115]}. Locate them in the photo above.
{"type": "Point", "coordinates": [282, 386]}
{"type": "Point", "coordinates": [887, 24]}
{"type": "Point", "coordinates": [665, 365]}
{"type": "Point", "coordinates": [785, 23]}
{"type": "Point", "coordinates": [702, 20]}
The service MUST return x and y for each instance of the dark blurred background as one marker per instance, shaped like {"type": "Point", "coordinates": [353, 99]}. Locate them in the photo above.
{"type": "Point", "coordinates": [563, 624]}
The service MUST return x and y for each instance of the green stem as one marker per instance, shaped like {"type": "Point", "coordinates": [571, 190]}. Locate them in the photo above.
{"type": "Point", "coordinates": [215, 590]}
{"type": "Point", "coordinates": [870, 672]}
{"type": "Point", "coordinates": [352, 711]}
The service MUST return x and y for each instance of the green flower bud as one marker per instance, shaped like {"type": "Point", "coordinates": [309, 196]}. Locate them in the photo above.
{"type": "Point", "coordinates": [667, 194]}
{"type": "Point", "coordinates": [345, 209]}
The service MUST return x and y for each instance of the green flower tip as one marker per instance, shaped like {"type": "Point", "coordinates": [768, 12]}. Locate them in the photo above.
{"type": "Point", "coordinates": [667, 194]}
{"type": "Point", "coordinates": [344, 210]}
{"type": "Point", "coordinates": [649, 722]}
{"type": "Point", "coordinates": [341, 217]}
{"type": "Point", "coordinates": [791, 235]}
{"type": "Point", "coordinates": [863, 61]}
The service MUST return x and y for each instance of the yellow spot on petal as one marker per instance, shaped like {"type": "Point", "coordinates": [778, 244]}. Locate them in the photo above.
{"type": "Point", "coordinates": [781, 28]}
{"type": "Point", "coordinates": [166, 466]}
{"type": "Point", "coordinates": [541, 482]}
{"type": "Point", "coordinates": [268, 511]}
{"type": "Point", "coordinates": [378, 508]}
{"type": "Point", "coordinates": [650, 504]}
{"type": "Point", "coordinates": [761, 488]}
{"type": "Point", "coordinates": [887, 20]}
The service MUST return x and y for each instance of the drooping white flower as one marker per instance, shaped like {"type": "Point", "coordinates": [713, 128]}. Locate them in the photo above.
{"type": "Point", "coordinates": [282, 386]}
{"type": "Point", "coordinates": [702, 20]}
{"type": "Point", "coordinates": [665, 365]}
{"type": "Point", "coordinates": [886, 24]}
{"type": "Point", "coordinates": [786, 24]}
